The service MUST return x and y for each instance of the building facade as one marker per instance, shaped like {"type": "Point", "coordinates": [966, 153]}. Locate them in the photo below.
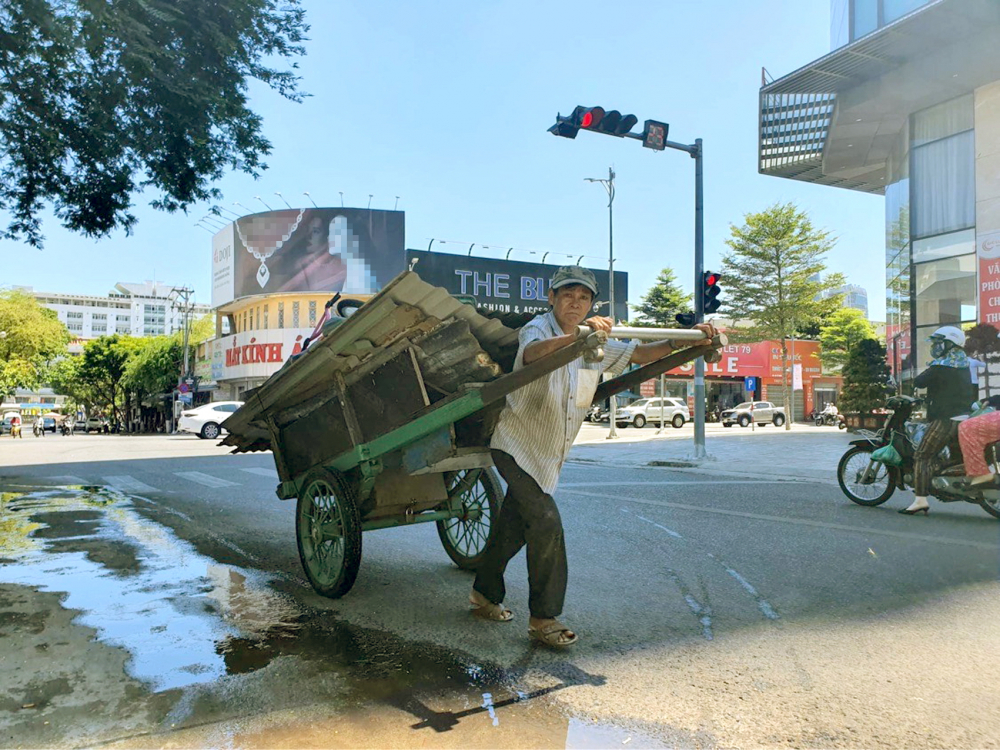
{"type": "Point", "coordinates": [148, 309]}
{"type": "Point", "coordinates": [906, 105]}
{"type": "Point", "coordinates": [855, 296]}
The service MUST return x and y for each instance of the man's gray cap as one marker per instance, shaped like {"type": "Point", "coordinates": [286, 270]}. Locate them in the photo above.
{"type": "Point", "coordinates": [574, 275]}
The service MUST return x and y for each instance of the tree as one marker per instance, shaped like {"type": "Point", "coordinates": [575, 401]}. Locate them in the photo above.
{"type": "Point", "coordinates": [154, 366]}
{"type": "Point", "coordinates": [31, 338]}
{"type": "Point", "coordinates": [664, 300]}
{"type": "Point", "coordinates": [866, 377]}
{"type": "Point", "coordinates": [774, 277]}
{"type": "Point", "coordinates": [982, 342]}
{"type": "Point", "coordinates": [103, 100]}
{"type": "Point", "coordinates": [842, 331]}
{"type": "Point", "coordinates": [102, 370]}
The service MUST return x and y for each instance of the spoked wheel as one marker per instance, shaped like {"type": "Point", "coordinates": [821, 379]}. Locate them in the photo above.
{"type": "Point", "coordinates": [328, 528]}
{"type": "Point", "coordinates": [465, 537]}
{"type": "Point", "coordinates": [861, 486]}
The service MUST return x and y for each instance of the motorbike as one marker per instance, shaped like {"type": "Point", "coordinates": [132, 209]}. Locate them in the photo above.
{"type": "Point", "coordinates": [825, 418]}
{"type": "Point", "coordinates": [868, 482]}
{"type": "Point", "coordinates": [37, 429]}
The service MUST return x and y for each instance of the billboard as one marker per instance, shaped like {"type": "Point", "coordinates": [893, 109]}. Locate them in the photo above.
{"type": "Point", "coordinates": [350, 250]}
{"type": "Point", "coordinates": [506, 285]}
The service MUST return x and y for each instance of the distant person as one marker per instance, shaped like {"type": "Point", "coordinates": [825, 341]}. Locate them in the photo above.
{"type": "Point", "coordinates": [15, 427]}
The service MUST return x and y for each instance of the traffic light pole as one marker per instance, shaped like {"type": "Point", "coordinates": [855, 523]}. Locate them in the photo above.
{"type": "Point", "coordinates": [695, 151]}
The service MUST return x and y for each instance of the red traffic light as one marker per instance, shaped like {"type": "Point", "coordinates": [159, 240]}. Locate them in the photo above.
{"type": "Point", "coordinates": [592, 117]}
{"type": "Point", "coordinates": [711, 279]}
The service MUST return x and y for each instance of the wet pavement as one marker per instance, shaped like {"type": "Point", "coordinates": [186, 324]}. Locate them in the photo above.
{"type": "Point", "coordinates": [117, 631]}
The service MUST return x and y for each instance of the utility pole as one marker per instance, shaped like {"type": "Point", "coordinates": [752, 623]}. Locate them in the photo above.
{"type": "Point", "coordinates": [609, 185]}
{"type": "Point", "coordinates": [184, 294]}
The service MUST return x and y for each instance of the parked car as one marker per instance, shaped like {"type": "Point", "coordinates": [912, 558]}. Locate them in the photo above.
{"type": "Point", "coordinates": [95, 424]}
{"type": "Point", "coordinates": [762, 412]}
{"type": "Point", "coordinates": [646, 410]}
{"type": "Point", "coordinates": [206, 421]}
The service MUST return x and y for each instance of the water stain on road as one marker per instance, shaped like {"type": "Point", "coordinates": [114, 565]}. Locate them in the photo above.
{"type": "Point", "coordinates": [213, 648]}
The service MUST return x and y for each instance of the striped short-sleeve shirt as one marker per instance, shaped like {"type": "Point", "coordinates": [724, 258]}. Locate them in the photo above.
{"type": "Point", "coordinates": [540, 421]}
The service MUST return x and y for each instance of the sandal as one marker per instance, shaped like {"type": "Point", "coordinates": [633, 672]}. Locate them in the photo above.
{"type": "Point", "coordinates": [554, 634]}
{"type": "Point", "coordinates": [490, 611]}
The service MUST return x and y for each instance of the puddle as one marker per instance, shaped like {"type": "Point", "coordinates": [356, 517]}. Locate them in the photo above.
{"type": "Point", "coordinates": [228, 661]}
{"type": "Point", "coordinates": [136, 584]}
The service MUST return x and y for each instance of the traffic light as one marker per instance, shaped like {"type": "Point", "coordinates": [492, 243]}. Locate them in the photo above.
{"type": "Point", "coordinates": [710, 292]}
{"type": "Point", "coordinates": [595, 119]}
{"type": "Point", "coordinates": [654, 135]}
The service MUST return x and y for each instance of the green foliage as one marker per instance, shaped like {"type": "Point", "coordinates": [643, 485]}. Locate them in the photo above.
{"type": "Point", "coordinates": [842, 331]}
{"type": "Point", "coordinates": [102, 371]}
{"type": "Point", "coordinates": [866, 376]}
{"type": "Point", "coordinates": [31, 338]}
{"type": "Point", "coordinates": [201, 330]}
{"type": "Point", "coordinates": [773, 276]}
{"type": "Point", "coordinates": [153, 366]}
{"type": "Point", "coordinates": [101, 100]}
{"type": "Point", "coordinates": [664, 300]}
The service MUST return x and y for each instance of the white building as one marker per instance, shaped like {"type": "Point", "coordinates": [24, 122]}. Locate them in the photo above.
{"type": "Point", "coordinates": [149, 309]}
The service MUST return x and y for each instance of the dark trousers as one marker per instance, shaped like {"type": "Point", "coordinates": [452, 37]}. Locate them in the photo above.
{"type": "Point", "coordinates": [939, 433]}
{"type": "Point", "coordinates": [529, 517]}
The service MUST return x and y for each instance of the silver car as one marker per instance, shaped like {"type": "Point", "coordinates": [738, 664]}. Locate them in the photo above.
{"type": "Point", "coordinates": [645, 410]}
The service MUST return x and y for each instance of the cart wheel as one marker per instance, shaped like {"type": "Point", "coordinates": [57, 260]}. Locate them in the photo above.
{"type": "Point", "coordinates": [464, 538]}
{"type": "Point", "coordinates": [328, 528]}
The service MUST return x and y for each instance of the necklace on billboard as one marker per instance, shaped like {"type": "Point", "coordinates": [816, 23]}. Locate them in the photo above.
{"type": "Point", "coordinates": [262, 252]}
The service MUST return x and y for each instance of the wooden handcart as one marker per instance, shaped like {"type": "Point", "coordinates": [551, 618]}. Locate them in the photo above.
{"type": "Point", "coordinates": [386, 421]}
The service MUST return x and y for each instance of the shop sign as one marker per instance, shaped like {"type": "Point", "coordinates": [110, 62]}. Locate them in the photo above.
{"type": "Point", "coordinates": [988, 251]}
{"type": "Point", "coordinates": [255, 354]}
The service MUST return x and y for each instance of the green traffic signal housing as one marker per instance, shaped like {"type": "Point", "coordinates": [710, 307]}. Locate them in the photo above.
{"type": "Point", "coordinates": [710, 292]}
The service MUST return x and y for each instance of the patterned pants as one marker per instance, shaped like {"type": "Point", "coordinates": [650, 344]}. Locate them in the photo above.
{"type": "Point", "coordinates": [939, 434]}
{"type": "Point", "coordinates": [974, 435]}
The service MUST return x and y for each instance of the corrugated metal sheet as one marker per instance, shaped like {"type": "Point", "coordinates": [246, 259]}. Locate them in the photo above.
{"type": "Point", "coordinates": [407, 308]}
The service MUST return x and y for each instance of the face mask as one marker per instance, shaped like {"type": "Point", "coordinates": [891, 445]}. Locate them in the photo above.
{"type": "Point", "coordinates": [938, 349]}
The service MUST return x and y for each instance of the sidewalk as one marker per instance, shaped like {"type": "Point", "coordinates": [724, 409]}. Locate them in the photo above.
{"type": "Point", "coordinates": [804, 452]}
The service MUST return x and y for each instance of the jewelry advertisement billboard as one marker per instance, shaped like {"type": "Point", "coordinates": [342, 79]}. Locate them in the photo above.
{"type": "Point", "coordinates": [350, 250]}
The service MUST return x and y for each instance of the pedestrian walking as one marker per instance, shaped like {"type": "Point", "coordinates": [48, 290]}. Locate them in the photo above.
{"type": "Point", "coordinates": [948, 384]}
{"type": "Point", "coordinates": [535, 432]}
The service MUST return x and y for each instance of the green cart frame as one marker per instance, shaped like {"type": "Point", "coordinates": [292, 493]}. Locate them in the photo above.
{"type": "Point", "coordinates": [386, 421]}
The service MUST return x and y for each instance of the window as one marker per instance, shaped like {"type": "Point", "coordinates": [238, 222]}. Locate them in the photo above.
{"type": "Point", "coordinates": [227, 407]}
{"type": "Point", "coordinates": [312, 312]}
{"type": "Point", "coordinates": [944, 246]}
{"type": "Point", "coordinates": [944, 185]}
{"type": "Point", "coordinates": [295, 315]}
{"type": "Point", "coordinates": [265, 316]}
{"type": "Point", "coordinates": [281, 315]}
{"type": "Point", "coordinates": [864, 18]}
{"type": "Point", "coordinates": [946, 290]}
{"type": "Point", "coordinates": [893, 10]}
{"type": "Point", "coordinates": [251, 320]}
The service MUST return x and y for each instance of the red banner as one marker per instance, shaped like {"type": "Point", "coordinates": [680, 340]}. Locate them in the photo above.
{"type": "Point", "coordinates": [988, 250]}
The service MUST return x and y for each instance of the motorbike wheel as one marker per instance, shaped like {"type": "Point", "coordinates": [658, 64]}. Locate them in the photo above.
{"type": "Point", "coordinates": [852, 465]}
{"type": "Point", "coordinates": [991, 506]}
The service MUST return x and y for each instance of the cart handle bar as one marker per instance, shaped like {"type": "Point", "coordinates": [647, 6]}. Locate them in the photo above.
{"type": "Point", "coordinates": [657, 334]}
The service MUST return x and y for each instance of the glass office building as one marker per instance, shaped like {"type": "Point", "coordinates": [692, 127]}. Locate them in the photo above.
{"type": "Point", "coordinates": [907, 105]}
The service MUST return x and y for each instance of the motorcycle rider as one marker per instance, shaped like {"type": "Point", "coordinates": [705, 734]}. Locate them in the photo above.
{"type": "Point", "coordinates": [948, 382]}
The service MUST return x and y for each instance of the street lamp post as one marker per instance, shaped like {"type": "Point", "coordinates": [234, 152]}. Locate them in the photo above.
{"type": "Point", "coordinates": [609, 186]}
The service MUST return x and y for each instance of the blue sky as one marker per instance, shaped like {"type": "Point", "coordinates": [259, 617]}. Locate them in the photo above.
{"type": "Point", "coordinates": [446, 104]}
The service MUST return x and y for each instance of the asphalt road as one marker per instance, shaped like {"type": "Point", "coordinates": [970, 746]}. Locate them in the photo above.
{"type": "Point", "coordinates": [159, 601]}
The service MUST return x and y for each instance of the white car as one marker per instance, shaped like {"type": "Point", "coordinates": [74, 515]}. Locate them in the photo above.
{"type": "Point", "coordinates": [638, 413]}
{"type": "Point", "coordinates": [205, 421]}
